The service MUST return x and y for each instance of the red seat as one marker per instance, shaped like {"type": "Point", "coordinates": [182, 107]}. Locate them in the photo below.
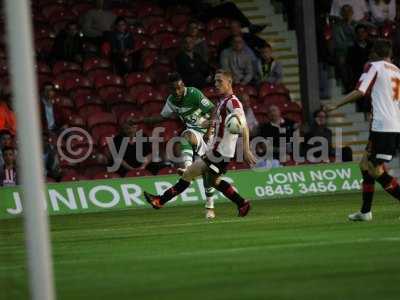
{"type": "Point", "coordinates": [76, 82]}
{"type": "Point", "coordinates": [124, 12]}
{"type": "Point", "coordinates": [43, 33]}
{"type": "Point", "coordinates": [112, 94]}
{"type": "Point", "coordinates": [101, 118]}
{"type": "Point", "coordinates": [271, 89]}
{"type": "Point", "coordinates": [43, 68]}
{"type": "Point", "coordinates": [279, 100]}
{"type": "Point", "coordinates": [122, 116]}
{"type": "Point", "coordinates": [44, 46]}
{"type": "Point", "coordinates": [73, 177]}
{"type": "Point", "coordinates": [293, 107]}
{"type": "Point", "coordinates": [160, 73]}
{"type": "Point", "coordinates": [167, 171]}
{"type": "Point", "coordinates": [138, 173]}
{"type": "Point", "coordinates": [170, 41]}
{"type": "Point", "coordinates": [93, 74]}
{"type": "Point", "coordinates": [217, 23]}
{"type": "Point", "coordinates": [144, 42]}
{"type": "Point", "coordinates": [261, 117]}
{"type": "Point", "coordinates": [60, 18]}
{"type": "Point", "coordinates": [90, 109]}
{"type": "Point", "coordinates": [81, 100]}
{"type": "Point", "coordinates": [95, 63]}
{"type": "Point", "coordinates": [219, 35]}
{"type": "Point", "coordinates": [76, 121]}
{"type": "Point", "coordinates": [137, 78]}
{"type": "Point", "coordinates": [211, 92]}
{"type": "Point", "coordinates": [51, 8]}
{"type": "Point", "coordinates": [136, 90]}
{"type": "Point", "coordinates": [148, 96]}
{"type": "Point", "coordinates": [245, 89]}
{"type": "Point", "coordinates": [145, 10]}
{"type": "Point", "coordinates": [159, 27]}
{"type": "Point", "coordinates": [80, 9]}
{"type": "Point", "coordinates": [108, 80]}
{"type": "Point", "coordinates": [105, 175]}
{"type": "Point", "coordinates": [296, 117]}
{"type": "Point", "coordinates": [63, 101]}
{"type": "Point", "coordinates": [63, 67]}
{"type": "Point", "coordinates": [179, 21]}
{"type": "Point", "coordinates": [122, 107]}
{"type": "Point", "coordinates": [104, 130]}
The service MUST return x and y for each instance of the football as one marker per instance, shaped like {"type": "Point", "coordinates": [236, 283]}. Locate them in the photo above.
{"type": "Point", "coordinates": [233, 124]}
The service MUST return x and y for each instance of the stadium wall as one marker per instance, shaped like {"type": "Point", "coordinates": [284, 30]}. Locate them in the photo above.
{"type": "Point", "coordinates": [126, 193]}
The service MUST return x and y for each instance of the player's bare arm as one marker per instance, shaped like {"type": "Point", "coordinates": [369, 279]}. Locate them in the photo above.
{"type": "Point", "coordinates": [349, 98]}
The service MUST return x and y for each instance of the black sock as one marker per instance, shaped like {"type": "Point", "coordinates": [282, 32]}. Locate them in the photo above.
{"type": "Point", "coordinates": [229, 192]}
{"type": "Point", "coordinates": [368, 188]}
{"type": "Point", "coordinates": [390, 185]}
{"type": "Point", "coordinates": [174, 191]}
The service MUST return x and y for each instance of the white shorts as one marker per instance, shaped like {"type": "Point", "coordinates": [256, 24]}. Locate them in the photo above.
{"type": "Point", "coordinates": [201, 144]}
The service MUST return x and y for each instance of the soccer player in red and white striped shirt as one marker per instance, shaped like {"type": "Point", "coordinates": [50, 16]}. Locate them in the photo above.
{"type": "Point", "coordinates": [381, 80]}
{"type": "Point", "coordinates": [215, 161]}
{"type": "Point", "coordinates": [8, 174]}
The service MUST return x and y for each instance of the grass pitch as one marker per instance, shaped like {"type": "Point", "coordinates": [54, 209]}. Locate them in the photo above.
{"type": "Point", "coordinates": [285, 249]}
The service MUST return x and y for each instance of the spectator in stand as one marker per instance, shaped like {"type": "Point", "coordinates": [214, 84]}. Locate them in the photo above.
{"type": "Point", "coordinates": [6, 141]}
{"type": "Point", "coordinates": [360, 8]}
{"type": "Point", "coordinates": [51, 159]}
{"type": "Point", "coordinates": [50, 120]}
{"type": "Point", "coordinates": [278, 128]}
{"type": "Point", "coordinates": [358, 54]}
{"type": "Point", "coordinates": [238, 61]}
{"type": "Point", "coordinates": [193, 69]}
{"type": "Point", "coordinates": [252, 122]}
{"type": "Point", "coordinates": [131, 159]}
{"type": "Point", "coordinates": [96, 22]}
{"type": "Point", "coordinates": [312, 139]}
{"type": "Point", "coordinates": [253, 42]}
{"type": "Point", "coordinates": [122, 47]}
{"type": "Point", "coordinates": [8, 173]}
{"type": "Point", "coordinates": [200, 44]}
{"type": "Point", "coordinates": [343, 39]}
{"type": "Point", "coordinates": [7, 116]}
{"type": "Point", "coordinates": [68, 45]}
{"type": "Point", "coordinates": [382, 10]}
{"type": "Point", "coordinates": [269, 70]}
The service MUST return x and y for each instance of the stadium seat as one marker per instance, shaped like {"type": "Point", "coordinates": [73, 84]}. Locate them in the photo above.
{"type": "Point", "coordinates": [137, 78]}
{"type": "Point", "coordinates": [146, 10]}
{"type": "Point", "coordinates": [60, 18]}
{"type": "Point", "coordinates": [73, 177]}
{"type": "Point", "coordinates": [217, 23]}
{"type": "Point", "coordinates": [63, 101]}
{"type": "Point", "coordinates": [43, 68]}
{"type": "Point", "coordinates": [246, 89]}
{"type": "Point", "coordinates": [90, 109]}
{"type": "Point", "coordinates": [108, 80]}
{"type": "Point", "coordinates": [43, 33]}
{"type": "Point", "coordinates": [76, 82]}
{"type": "Point", "coordinates": [105, 175]}
{"type": "Point", "coordinates": [95, 63]}
{"type": "Point", "coordinates": [103, 130]}
{"type": "Point", "coordinates": [124, 12]}
{"type": "Point", "coordinates": [101, 118]}
{"type": "Point", "coordinates": [146, 96]}
{"type": "Point", "coordinates": [219, 35]}
{"type": "Point", "coordinates": [44, 46]}
{"type": "Point", "coordinates": [294, 116]}
{"type": "Point", "coordinates": [211, 92]}
{"type": "Point", "coordinates": [76, 120]}
{"type": "Point", "coordinates": [51, 8]}
{"type": "Point", "coordinates": [81, 100]}
{"type": "Point", "coordinates": [136, 90]}
{"type": "Point", "coordinates": [111, 95]}
{"type": "Point", "coordinates": [279, 100]}
{"type": "Point", "coordinates": [272, 89]}
{"type": "Point", "coordinates": [138, 173]}
{"type": "Point", "coordinates": [122, 116]}
{"type": "Point", "coordinates": [93, 74]}
{"type": "Point", "coordinates": [179, 21]}
{"type": "Point", "coordinates": [80, 9]}
{"type": "Point", "coordinates": [160, 73]}
{"type": "Point", "coordinates": [167, 171]}
{"type": "Point", "coordinates": [261, 117]}
{"type": "Point", "coordinates": [159, 27]}
{"type": "Point", "coordinates": [63, 67]}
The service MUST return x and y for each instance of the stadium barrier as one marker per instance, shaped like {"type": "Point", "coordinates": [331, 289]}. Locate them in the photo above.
{"type": "Point", "coordinates": [114, 194]}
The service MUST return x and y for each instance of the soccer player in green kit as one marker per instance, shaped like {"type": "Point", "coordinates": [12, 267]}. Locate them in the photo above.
{"type": "Point", "coordinates": [194, 110]}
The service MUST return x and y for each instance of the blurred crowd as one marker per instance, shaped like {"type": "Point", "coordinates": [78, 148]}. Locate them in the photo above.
{"type": "Point", "coordinates": [102, 64]}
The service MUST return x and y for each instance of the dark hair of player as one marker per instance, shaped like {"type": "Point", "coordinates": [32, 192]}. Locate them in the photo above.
{"type": "Point", "coordinates": [174, 77]}
{"type": "Point", "coordinates": [382, 49]}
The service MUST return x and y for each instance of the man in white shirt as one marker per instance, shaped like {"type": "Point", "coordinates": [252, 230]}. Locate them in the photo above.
{"type": "Point", "coordinates": [381, 80]}
{"type": "Point", "coordinates": [360, 8]}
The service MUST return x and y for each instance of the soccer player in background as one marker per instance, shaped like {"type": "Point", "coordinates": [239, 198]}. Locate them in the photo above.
{"type": "Point", "coordinates": [381, 79]}
{"type": "Point", "coordinates": [222, 150]}
{"type": "Point", "coordinates": [194, 110]}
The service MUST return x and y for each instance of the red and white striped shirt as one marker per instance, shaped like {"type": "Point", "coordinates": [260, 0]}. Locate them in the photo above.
{"type": "Point", "coordinates": [8, 177]}
{"type": "Point", "coordinates": [224, 141]}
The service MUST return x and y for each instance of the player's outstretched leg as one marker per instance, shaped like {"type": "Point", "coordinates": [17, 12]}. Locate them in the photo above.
{"type": "Point", "coordinates": [229, 192]}
{"type": "Point", "coordinates": [187, 144]}
{"type": "Point", "coordinates": [209, 191]}
{"type": "Point", "coordinates": [158, 201]}
{"type": "Point", "coordinates": [368, 188]}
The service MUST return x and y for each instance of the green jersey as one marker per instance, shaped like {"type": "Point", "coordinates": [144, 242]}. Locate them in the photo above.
{"type": "Point", "coordinates": [193, 109]}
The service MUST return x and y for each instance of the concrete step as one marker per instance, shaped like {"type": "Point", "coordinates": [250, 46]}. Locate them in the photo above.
{"type": "Point", "coordinates": [356, 117]}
